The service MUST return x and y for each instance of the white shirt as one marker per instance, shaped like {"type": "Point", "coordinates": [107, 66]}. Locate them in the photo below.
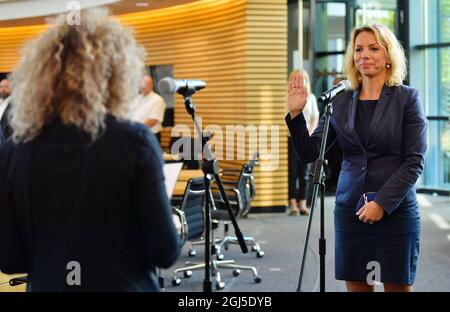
{"type": "Point", "coordinates": [150, 106]}
{"type": "Point", "coordinates": [3, 105]}
{"type": "Point", "coordinates": [311, 112]}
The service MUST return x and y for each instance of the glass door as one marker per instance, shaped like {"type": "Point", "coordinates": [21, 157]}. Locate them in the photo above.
{"type": "Point", "coordinates": [332, 27]}
{"type": "Point", "coordinates": [430, 73]}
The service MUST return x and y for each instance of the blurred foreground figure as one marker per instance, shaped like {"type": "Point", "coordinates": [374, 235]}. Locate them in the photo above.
{"type": "Point", "coordinates": [83, 205]}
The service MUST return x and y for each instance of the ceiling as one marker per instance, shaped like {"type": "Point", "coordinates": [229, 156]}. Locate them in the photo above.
{"type": "Point", "coordinates": [34, 12]}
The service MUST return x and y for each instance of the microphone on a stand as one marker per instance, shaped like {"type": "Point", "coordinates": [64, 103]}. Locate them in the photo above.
{"type": "Point", "coordinates": [169, 85]}
{"type": "Point", "coordinates": [329, 95]}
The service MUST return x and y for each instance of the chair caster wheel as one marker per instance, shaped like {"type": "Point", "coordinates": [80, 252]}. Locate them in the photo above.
{"type": "Point", "coordinates": [187, 274]}
{"type": "Point", "coordinates": [176, 282]}
{"type": "Point", "coordinates": [220, 256]}
{"type": "Point", "coordinates": [255, 248]}
{"type": "Point", "coordinates": [220, 285]}
{"type": "Point", "coordinates": [236, 272]}
{"type": "Point", "coordinates": [260, 254]}
{"type": "Point", "coordinates": [192, 253]}
{"type": "Point", "coordinates": [258, 279]}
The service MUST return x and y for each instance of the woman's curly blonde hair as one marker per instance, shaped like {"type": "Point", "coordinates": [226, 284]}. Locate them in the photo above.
{"type": "Point", "coordinates": [78, 73]}
{"type": "Point", "coordinates": [385, 38]}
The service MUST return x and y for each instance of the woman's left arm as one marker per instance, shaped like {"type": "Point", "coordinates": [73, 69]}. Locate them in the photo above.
{"type": "Point", "coordinates": [414, 144]}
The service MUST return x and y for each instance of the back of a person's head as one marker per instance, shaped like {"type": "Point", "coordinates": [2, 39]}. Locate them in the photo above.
{"type": "Point", "coordinates": [77, 73]}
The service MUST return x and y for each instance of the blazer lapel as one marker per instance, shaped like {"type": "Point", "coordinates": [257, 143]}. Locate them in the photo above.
{"type": "Point", "coordinates": [379, 110]}
{"type": "Point", "coordinates": [352, 116]}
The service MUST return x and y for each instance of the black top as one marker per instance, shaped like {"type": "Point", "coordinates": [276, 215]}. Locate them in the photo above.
{"type": "Point", "coordinates": [365, 112]}
{"type": "Point", "coordinates": [103, 204]}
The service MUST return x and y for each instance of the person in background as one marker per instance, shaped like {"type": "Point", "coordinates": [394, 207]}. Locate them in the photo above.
{"type": "Point", "coordinates": [83, 204]}
{"type": "Point", "coordinates": [5, 107]}
{"type": "Point", "coordinates": [382, 132]}
{"type": "Point", "coordinates": [298, 175]}
{"type": "Point", "coordinates": [148, 108]}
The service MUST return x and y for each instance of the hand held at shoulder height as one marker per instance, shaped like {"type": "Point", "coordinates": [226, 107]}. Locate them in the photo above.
{"type": "Point", "coordinates": [297, 95]}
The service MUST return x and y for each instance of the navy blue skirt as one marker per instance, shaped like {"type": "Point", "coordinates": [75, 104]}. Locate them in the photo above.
{"type": "Point", "coordinates": [391, 243]}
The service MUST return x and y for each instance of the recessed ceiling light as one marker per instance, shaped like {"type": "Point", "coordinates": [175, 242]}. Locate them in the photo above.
{"type": "Point", "coordinates": [141, 4]}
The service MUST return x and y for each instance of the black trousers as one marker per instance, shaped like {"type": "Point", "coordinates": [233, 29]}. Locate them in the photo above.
{"type": "Point", "coordinates": [298, 175]}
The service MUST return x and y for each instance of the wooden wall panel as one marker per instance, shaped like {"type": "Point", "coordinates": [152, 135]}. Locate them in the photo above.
{"type": "Point", "coordinates": [12, 40]}
{"type": "Point", "coordinates": [239, 47]}
{"type": "Point", "coordinates": [266, 72]}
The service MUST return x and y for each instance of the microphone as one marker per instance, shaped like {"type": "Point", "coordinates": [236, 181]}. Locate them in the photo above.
{"type": "Point", "coordinates": [169, 85]}
{"type": "Point", "coordinates": [329, 95]}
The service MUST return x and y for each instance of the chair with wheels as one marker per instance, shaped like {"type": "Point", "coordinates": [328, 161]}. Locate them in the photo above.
{"type": "Point", "coordinates": [193, 220]}
{"type": "Point", "coordinates": [241, 191]}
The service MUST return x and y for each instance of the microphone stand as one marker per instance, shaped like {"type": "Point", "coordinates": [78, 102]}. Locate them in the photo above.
{"type": "Point", "coordinates": [210, 169]}
{"type": "Point", "coordinates": [319, 185]}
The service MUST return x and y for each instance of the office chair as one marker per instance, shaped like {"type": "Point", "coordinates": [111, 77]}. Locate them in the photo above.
{"type": "Point", "coordinates": [241, 191]}
{"type": "Point", "coordinates": [193, 221]}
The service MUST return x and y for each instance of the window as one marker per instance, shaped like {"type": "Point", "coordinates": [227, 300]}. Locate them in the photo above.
{"type": "Point", "coordinates": [332, 21]}
{"type": "Point", "coordinates": [376, 12]}
{"type": "Point", "coordinates": [430, 73]}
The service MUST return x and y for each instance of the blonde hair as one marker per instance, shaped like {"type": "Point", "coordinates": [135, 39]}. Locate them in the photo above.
{"type": "Point", "coordinates": [306, 78]}
{"type": "Point", "coordinates": [385, 38]}
{"type": "Point", "coordinates": [78, 73]}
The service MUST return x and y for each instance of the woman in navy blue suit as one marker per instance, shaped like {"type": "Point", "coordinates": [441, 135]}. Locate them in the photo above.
{"type": "Point", "coordinates": [83, 204]}
{"type": "Point", "coordinates": [381, 129]}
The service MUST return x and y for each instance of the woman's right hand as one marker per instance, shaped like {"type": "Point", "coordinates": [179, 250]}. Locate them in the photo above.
{"type": "Point", "coordinates": [297, 95]}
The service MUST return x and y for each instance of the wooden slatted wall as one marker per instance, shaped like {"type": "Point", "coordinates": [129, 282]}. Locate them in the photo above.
{"type": "Point", "coordinates": [239, 47]}
{"type": "Point", "coordinates": [12, 40]}
{"type": "Point", "coordinates": [266, 72]}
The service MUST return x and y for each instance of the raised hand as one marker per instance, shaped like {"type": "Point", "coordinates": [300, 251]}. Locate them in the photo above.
{"type": "Point", "coordinates": [297, 95]}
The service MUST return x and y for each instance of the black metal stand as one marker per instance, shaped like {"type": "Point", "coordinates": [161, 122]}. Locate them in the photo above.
{"type": "Point", "coordinates": [319, 185]}
{"type": "Point", "coordinates": [211, 171]}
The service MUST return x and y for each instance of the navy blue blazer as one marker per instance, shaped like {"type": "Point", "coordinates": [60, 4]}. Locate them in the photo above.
{"type": "Point", "coordinates": [394, 157]}
{"type": "Point", "coordinates": [103, 204]}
